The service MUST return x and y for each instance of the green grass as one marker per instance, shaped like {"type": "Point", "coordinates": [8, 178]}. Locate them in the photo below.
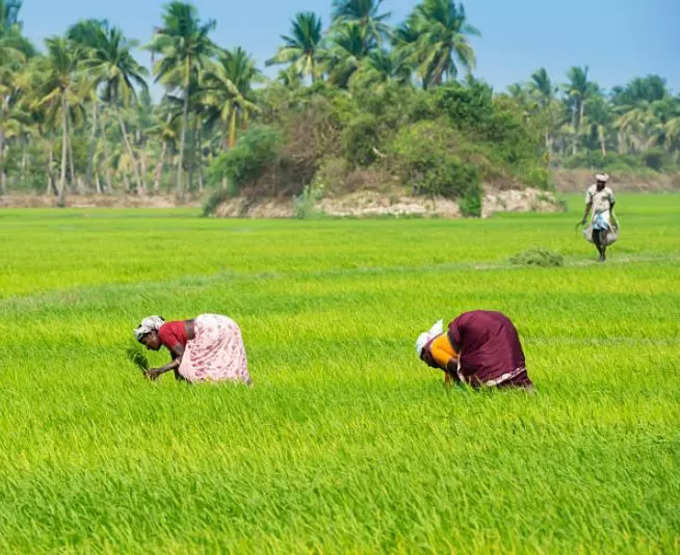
{"type": "Point", "coordinates": [347, 443]}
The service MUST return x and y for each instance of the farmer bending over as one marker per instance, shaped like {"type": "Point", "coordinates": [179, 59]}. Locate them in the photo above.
{"type": "Point", "coordinates": [480, 348]}
{"type": "Point", "coordinates": [208, 348]}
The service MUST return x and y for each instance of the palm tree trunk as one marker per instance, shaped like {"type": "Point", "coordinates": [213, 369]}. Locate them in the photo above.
{"type": "Point", "coordinates": [192, 158]}
{"type": "Point", "coordinates": [3, 187]}
{"type": "Point", "coordinates": [107, 160]}
{"type": "Point", "coordinates": [180, 163]}
{"type": "Point", "coordinates": [159, 168]}
{"type": "Point", "coordinates": [24, 159]}
{"type": "Point", "coordinates": [72, 172]}
{"type": "Point", "coordinates": [232, 128]}
{"type": "Point", "coordinates": [142, 163]}
{"type": "Point", "coordinates": [90, 147]}
{"type": "Point", "coordinates": [575, 128]}
{"type": "Point", "coordinates": [50, 176]}
{"type": "Point", "coordinates": [128, 146]}
{"type": "Point", "coordinates": [61, 195]}
{"type": "Point", "coordinates": [199, 161]}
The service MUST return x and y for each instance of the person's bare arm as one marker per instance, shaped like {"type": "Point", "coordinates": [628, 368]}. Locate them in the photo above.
{"type": "Point", "coordinates": [177, 352]}
{"type": "Point", "coordinates": [585, 214]}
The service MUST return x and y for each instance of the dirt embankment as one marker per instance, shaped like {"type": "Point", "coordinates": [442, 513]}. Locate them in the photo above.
{"type": "Point", "coordinates": [356, 204]}
{"type": "Point", "coordinates": [372, 204]}
{"type": "Point", "coordinates": [572, 181]}
{"type": "Point", "coordinates": [94, 201]}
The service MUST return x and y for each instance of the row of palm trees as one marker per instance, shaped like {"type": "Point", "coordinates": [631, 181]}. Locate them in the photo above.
{"type": "Point", "coordinates": [82, 110]}
{"type": "Point", "coordinates": [88, 82]}
{"type": "Point", "coordinates": [578, 115]}
{"type": "Point", "coordinates": [430, 45]}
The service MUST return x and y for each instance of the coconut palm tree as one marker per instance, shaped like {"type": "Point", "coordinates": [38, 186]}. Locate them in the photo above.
{"type": "Point", "coordinates": [542, 86]}
{"type": "Point", "coordinates": [382, 67]}
{"type": "Point", "coordinates": [165, 129]}
{"type": "Point", "coordinates": [11, 118]}
{"type": "Point", "coordinates": [348, 46]}
{"type": "Point", "coordinates": [63, 92]}
{"type": "Point", "coordinates": [578, 91]}
{"type": "Point", "coordinates": [302, 49]}
{"type": "Point", "coordinates": [638, 128]}
{"type": "Point", "coordinates": [672, 130]}
{"type": "Point", "coordinates": [364, 13]}
{"type": "Point", "coordinates": [435, 36]}
{"type": "Point", "coordinates": [114, 70]}
{"type": "Point", "coordinates": [14, 53]}
{"type": "Point", "coordinates": [227, 91]}
{"type": "Point", "coordinates": [11, 31]}
{"type": "Point", "coordinates": [597, 122]}
{"type": "Point", "coordinates": [184, 48]}
{"type": "Point", "coordinates": [550, 114]}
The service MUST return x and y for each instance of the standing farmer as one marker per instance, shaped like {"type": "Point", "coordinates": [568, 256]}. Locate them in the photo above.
{"type": "Point", "coordinates": [208, 348]}
{"type": "Point", "coordinates": [600, 199]}
{"type": "Point", "coordinates": [480, 348]}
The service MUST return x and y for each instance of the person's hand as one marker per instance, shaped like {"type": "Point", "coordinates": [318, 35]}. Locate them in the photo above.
{"type": "Point", "coordinates": [153, 373]}
{"type": "Point", "coordinates": [583, 221]}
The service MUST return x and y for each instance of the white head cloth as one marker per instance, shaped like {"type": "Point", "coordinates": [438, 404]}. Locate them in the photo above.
{"type": "Point", "coordinates": [603, 177]}
{"type": "Point", "coordinates": [149, 324]}
{"type": "Point", "coordinates": [426, 336]}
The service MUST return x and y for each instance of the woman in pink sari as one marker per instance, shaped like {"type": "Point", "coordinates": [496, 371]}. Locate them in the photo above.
{"type": "Point", "coordinates": [208, 348]}
{"type": "Point", "coordinates": [481, 348]}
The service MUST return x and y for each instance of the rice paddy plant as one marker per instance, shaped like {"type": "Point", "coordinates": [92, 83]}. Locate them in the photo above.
{"type": "Point", "coordinates": [346, 442]}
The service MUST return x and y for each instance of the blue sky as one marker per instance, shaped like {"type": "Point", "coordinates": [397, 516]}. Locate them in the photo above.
{"type": "Point", "coordinates": [617, 39]}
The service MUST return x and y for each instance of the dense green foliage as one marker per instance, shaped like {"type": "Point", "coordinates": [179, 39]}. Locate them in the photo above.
{"type": "Point", "coordinates": [346, 442]}
{"type": "Point", "coordinates": [245, 161]}
{"type": "Point", "coordinates": [356, 96]}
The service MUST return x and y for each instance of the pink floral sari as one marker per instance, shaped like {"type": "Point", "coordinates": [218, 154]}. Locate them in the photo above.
{"type": "Point", "coordinates": [216, 353]}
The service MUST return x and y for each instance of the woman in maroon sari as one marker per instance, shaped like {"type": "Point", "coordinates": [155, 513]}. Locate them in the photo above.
{"type": "Point", "coordinates": [480, 348]}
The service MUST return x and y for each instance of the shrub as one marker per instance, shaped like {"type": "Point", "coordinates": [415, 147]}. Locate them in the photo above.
{"type": "Point", "coordinates": [214, 199]}
{"type": "Point", "coordinates": [422, 154]}
{"type": "Point", "coordinates": [466, 106]}
{"type": "Point", "coordinates": [537, 257]}
{"type": "Point", "coordinates": [654, 159]}
{"type": "Point", "coordinates": [245, 161]}
{"type": "Point", "coordinates": [471, 202]}
{"type": "Point", "coordinates": [305, 203]}
{"type": "Point", "coordinates": [332, 174]}
{"type": "Point", "coordinates": [359, 140]}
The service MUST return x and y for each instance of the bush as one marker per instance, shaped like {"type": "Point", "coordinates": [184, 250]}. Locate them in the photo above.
{"type": "Point", "coordinates": [305, 203]}
{"type": "Point", "coordinates": [214, 199]}
{"type": "Point", "coordinates": [468, 107]}
{"type": "Point", "coordinates": [471, 202]}
{"type": "Point", "coordinates": [359, 140]}
{"type": "Point", "coordinates": [654, 159]}
{"type": "Point", "coordinates": [245, 161]}
{"type": "Point", "coordinates": [422, 154]}
{"type": "Point", "coordinates": [537, 257]}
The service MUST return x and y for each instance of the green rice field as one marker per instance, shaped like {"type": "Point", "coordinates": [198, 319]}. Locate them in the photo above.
{"type": "Point", "coordinates": [347, 443]}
